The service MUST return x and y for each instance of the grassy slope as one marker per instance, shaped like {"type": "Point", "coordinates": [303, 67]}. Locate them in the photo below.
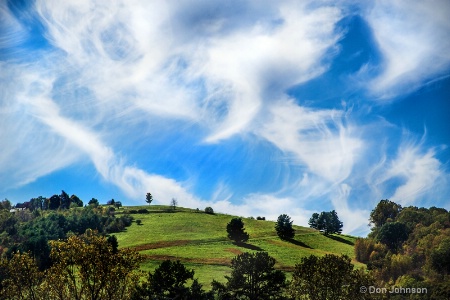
{"type": "Point", "coordinates": [200, 241]}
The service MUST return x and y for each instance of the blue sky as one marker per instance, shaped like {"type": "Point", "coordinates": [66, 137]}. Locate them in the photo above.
{"type": "Point", "coordinates": [251, 107]}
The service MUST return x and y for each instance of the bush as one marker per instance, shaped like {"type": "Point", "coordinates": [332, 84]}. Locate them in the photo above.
{"type": "Point", "coordinates": [209, 210]}
{"type": "Point", "coordinates": [143, 211]}
{"type": "Point", "coordinates": [133, 211]}
{"type": "Point", "coordinates": [363, 249]}
{"type": "Point", "coordinates": [138, 221]}
{"type": "Point", "coordinates": [260, 218]}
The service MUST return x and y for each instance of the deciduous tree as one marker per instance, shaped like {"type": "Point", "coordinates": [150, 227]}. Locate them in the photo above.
{"type": "Point", "coordinates": [329, 277]}
{"type": "Point", "coordinates": [385, 211]}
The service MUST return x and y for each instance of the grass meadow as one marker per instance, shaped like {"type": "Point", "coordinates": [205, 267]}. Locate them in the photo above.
{"type": "Point", "coordinates": [200, 242]}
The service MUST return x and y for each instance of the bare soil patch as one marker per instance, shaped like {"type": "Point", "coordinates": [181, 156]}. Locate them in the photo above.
{"type": "Point", "coordinates": [161, 244]}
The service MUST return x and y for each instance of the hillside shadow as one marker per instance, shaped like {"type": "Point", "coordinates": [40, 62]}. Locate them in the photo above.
{"type": "Point", "coordinates": [298, 243]}
{"type": "Point", "coordinates": [248, 246]}
{"type": "Point", "coordinates": [339, 239]}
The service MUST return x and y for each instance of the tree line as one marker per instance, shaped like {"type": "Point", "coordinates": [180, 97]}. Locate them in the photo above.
{"type": "Point", "coordinates": [30, 230]}
{"type": "Point", "coordinates": [408, 247]}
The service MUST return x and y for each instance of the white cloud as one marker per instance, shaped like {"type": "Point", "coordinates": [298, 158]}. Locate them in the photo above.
{"type": "Point", "coordinates": [132, 69]}
{"type": "Point", "coordinates": [355, 220]}
{"type": "Point", "coordinates": [13, 33]}
{"type": "Point", "coordinates": [421, 172]}
{"type": "Point", "coordinates": [29, 150]}
{"type": "Point", "coordinates": [414, 38]}
{"type": "Point", "coordinates": [318, 138]}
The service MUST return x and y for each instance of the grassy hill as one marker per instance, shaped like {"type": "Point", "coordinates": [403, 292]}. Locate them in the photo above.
{"type": "Point", "coordinates": [199, 241]}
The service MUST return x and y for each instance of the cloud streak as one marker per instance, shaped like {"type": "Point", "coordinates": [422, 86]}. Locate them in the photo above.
{"type": "Point", "coordinates": [414, 39]}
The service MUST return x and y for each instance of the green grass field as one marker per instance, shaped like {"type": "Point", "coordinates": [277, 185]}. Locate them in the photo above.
{"type": "Point", "coordinates": [199, 241]}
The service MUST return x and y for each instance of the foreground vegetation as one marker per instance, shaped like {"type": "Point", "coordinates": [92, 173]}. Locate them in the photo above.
{"type": "Point", "coordinates": [167, 252]}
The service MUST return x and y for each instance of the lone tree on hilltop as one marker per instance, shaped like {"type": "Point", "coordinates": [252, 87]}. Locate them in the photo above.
{"type": "Point", "coordinates": [283, 226]}
{"type": "Point", "coordinates": [236, 231]}
{"type": "Point", "coordinates": [148, 198]}
{"type": "Point", "coordinates": [173, 203]}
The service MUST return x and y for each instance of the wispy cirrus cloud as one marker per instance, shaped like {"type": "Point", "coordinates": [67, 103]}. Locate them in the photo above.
{"type": "Point", "coordinates": [119, 83]}
{"type": "Point", "coordinates": [414, 39]}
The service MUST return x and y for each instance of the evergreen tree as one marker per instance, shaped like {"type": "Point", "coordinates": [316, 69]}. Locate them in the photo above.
{"type": "Point", "coordinates": [284, 228]}
{"type": "Point", "coordinates": [236, 231]}
{"type": "Point", "coordinates": [253, 277]}
{"type": "Point", "coordinates": [148, 198]}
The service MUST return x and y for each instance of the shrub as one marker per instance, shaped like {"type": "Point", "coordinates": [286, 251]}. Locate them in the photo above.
{"type": "Point", "coordinates": [143, 211]}
{"type": "Point", "coordinates": [138, 221]}
{"type": "Point", "coordinates": [363, 249]}
{"type": "Point", "coordinates": [260, 218]}
{"type": "Point", "coordinates": [209, 210]}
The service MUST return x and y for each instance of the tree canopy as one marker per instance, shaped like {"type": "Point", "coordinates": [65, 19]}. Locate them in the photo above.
{"type": "Point", "coordinates": [148, 198]}
{"type": "Point", "coordinates": [384, 212]}
{"type": "Point", "coordinates": [284, 229]}
{"type": "Point", "coordinates": [236, 231]}
{"type": "Point", "coordinates": [329, 277]}
{"type": "Point", "coordinates": [253, 277]}
{"type": "Point", "coordinates": [326, 222]}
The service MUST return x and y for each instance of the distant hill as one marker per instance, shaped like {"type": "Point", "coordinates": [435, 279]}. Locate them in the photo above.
{"type": "Point", "coordinates": [199, 240]}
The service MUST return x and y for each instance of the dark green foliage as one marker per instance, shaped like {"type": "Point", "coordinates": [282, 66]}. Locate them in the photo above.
{"type": "Point", "coordinates": [94, 202]}
{"type": "Point", "coordinates": [253, 277]}
{"type": "Point", "coordinates": [326, 222]}
{"type": "Point", "coordinates": [5, 204]}
{"type": "Point", "coordinates": [236, 231]}
{"type": "Point", "coordinates": [142, 211]}
{"type": "Point", "coordinates": [138, 221]}
{"type": "Point", "coordinates": [65, 200]}
{"type": "Point", "coordinates": [209, 210]}
{"type": "Point", "coordinates": [33, 236]}
{"type": "Point", "coordinates": [260, 218]}
{"type": "Point", "coordinates": [54, 202]}
{"type": "Point", "coordinates": [112, 240]}
{"type": "Point", "coordinates": [385, 211]}
{"type": "Point", "coordinates": [313, 221]}
{"type": "Point", "coordinates": [393, 234]}
{"type": "Point", "coordinates": [76, 200]}
{"type": "Point", "coordinates": [111, 202]}
{"type": "Point", "coordinates": [329, 277]}
{"type": "Point", "coordinates": [8, 223]}
{"type": "Point", "coordinates": [440, 257]}
{"type": "Point", "coordinates": [148, 198]}
{"type": "Point", "coordinates": [118, 204]}
{"type": "Point", "coordinates": [169, 281]}
{"type": "Point", "coordinates": [38, 203]}
{"type": "Point", "coordinates": [284, 229]}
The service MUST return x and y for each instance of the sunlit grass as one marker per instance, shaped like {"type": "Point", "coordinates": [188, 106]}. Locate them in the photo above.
{"type": "Point", "coordinates": [199, 241]}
